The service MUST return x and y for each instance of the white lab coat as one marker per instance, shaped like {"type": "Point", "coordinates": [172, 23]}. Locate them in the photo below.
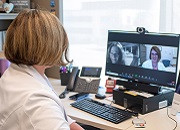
{"type": "Point", "coordinates": [28, 102]}
{"type": "Point", "coordinates": [148, 64]}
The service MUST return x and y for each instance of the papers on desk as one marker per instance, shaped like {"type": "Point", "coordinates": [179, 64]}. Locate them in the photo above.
{"type": "Point", "coordinates": [133, 93]}
{"type": "Point", "coordinates": [136, 93]}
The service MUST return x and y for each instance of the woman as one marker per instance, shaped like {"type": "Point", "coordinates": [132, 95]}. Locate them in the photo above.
{"type": "Point", "coordinates": [35, 40]}
{"type": "Point", "coordinates": [154, 62]}
{"type": "Point", "coordinates": [115, 53]}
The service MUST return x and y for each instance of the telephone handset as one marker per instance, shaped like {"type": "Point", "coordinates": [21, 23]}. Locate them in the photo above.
{"type": "Point", "coordinates": [72, 78]}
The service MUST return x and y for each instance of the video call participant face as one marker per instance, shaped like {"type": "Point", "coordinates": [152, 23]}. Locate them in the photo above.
{"type": "Point", "coordinates": [155, 54]}
{"type": "Point", "coordinates": [114, 54]}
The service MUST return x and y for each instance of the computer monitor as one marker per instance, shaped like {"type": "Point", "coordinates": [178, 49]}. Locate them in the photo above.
{"type": "Point", "coordinates": [150, 59]}
{"type": "Point", "coordinates": [176, 100]}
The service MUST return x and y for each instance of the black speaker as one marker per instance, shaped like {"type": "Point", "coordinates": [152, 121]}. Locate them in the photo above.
{"type": "Point", "coordinates": [140, 86]}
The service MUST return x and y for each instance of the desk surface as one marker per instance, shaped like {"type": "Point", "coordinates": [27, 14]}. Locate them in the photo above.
{"type": "Point", "coordinates": [157, 120]}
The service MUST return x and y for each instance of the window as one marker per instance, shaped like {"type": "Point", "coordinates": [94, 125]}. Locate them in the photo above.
{"type": "Point", "coordinates": [87, 23]}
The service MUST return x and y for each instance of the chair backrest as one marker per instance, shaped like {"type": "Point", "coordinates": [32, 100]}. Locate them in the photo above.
{"type": "Point", "coordinates": [4, 64]}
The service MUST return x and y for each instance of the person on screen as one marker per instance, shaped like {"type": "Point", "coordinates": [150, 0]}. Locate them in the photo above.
{"type": "Point", "coordinates": [154, 60]}
{"type": "Point", "coordinates": [115, 53]}
{"type": "Point", "coordinates": [35, 40]}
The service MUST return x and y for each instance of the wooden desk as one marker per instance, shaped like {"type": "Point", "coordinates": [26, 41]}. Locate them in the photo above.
{"type": "Point", "coordinates": [157, 120]}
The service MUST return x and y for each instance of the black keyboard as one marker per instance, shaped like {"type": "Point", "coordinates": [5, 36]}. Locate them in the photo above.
{"type": "Point", "coordinates": [104, 111]}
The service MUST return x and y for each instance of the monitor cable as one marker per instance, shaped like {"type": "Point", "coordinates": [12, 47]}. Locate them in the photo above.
{"type": "Point", "coordinates": [113, 101]}
{"type": "Point", "coordinates": [168, 113]}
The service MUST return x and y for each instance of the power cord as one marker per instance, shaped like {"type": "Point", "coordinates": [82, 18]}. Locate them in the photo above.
{"type": "Point", "coordinates": [172, 119]}
{"type": "Point", "coordinates": [168, 113]}
{"type": "Point", "coordinates": [111, 105]}
{"type": "Point", "coordinates": [113, 101]}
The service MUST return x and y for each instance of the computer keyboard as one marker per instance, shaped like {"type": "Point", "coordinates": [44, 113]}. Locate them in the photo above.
{"type": "Point", "coordinates": [104, 111]}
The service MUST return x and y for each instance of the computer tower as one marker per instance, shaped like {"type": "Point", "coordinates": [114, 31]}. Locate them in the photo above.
{"type": "Point", "coordinates": [142, 104]}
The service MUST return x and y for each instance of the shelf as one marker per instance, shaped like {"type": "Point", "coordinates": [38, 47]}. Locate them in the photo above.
{"type": "Point", "coordinates": [6, 16]}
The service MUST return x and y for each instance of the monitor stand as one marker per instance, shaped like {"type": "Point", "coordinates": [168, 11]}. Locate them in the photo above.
{"type": "Point", "coordinates": [78, 96]}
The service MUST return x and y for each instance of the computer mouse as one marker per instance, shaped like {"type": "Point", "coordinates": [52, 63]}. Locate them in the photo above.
{"type": "Point", "coordinates": [99, 96]}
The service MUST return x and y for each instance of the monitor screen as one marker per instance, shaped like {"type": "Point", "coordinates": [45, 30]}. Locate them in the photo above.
{"type": "Point", "coordinates": [91, 71]}
{"type": "Point", "coordinates": [150, 58]}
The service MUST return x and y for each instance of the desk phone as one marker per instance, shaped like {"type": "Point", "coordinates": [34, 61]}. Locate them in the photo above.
{"type": "Point", "coordinates": [87, 82]}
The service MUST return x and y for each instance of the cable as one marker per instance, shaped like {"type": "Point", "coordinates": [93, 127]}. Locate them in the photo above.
{"type": "Point", "coordinates": [168, 113]}
{"type": "Point", "coordinates": [111, 104]}
{"type": "Point", "coordinates": [172, 119]}
{"type": "Point", "coordinates": [63, 94]}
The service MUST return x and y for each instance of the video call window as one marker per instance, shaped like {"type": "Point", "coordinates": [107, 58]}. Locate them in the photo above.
{"type": "Point", "coordinates": [154, 57]}
{"type": "Point", "coordinates": [123, 53]}
{"type": "Point", "coordinates": [158, 57]}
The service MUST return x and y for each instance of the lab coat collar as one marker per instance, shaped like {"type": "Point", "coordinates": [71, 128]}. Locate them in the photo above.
{"type": "Point", "coordinates": [31, 71]}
